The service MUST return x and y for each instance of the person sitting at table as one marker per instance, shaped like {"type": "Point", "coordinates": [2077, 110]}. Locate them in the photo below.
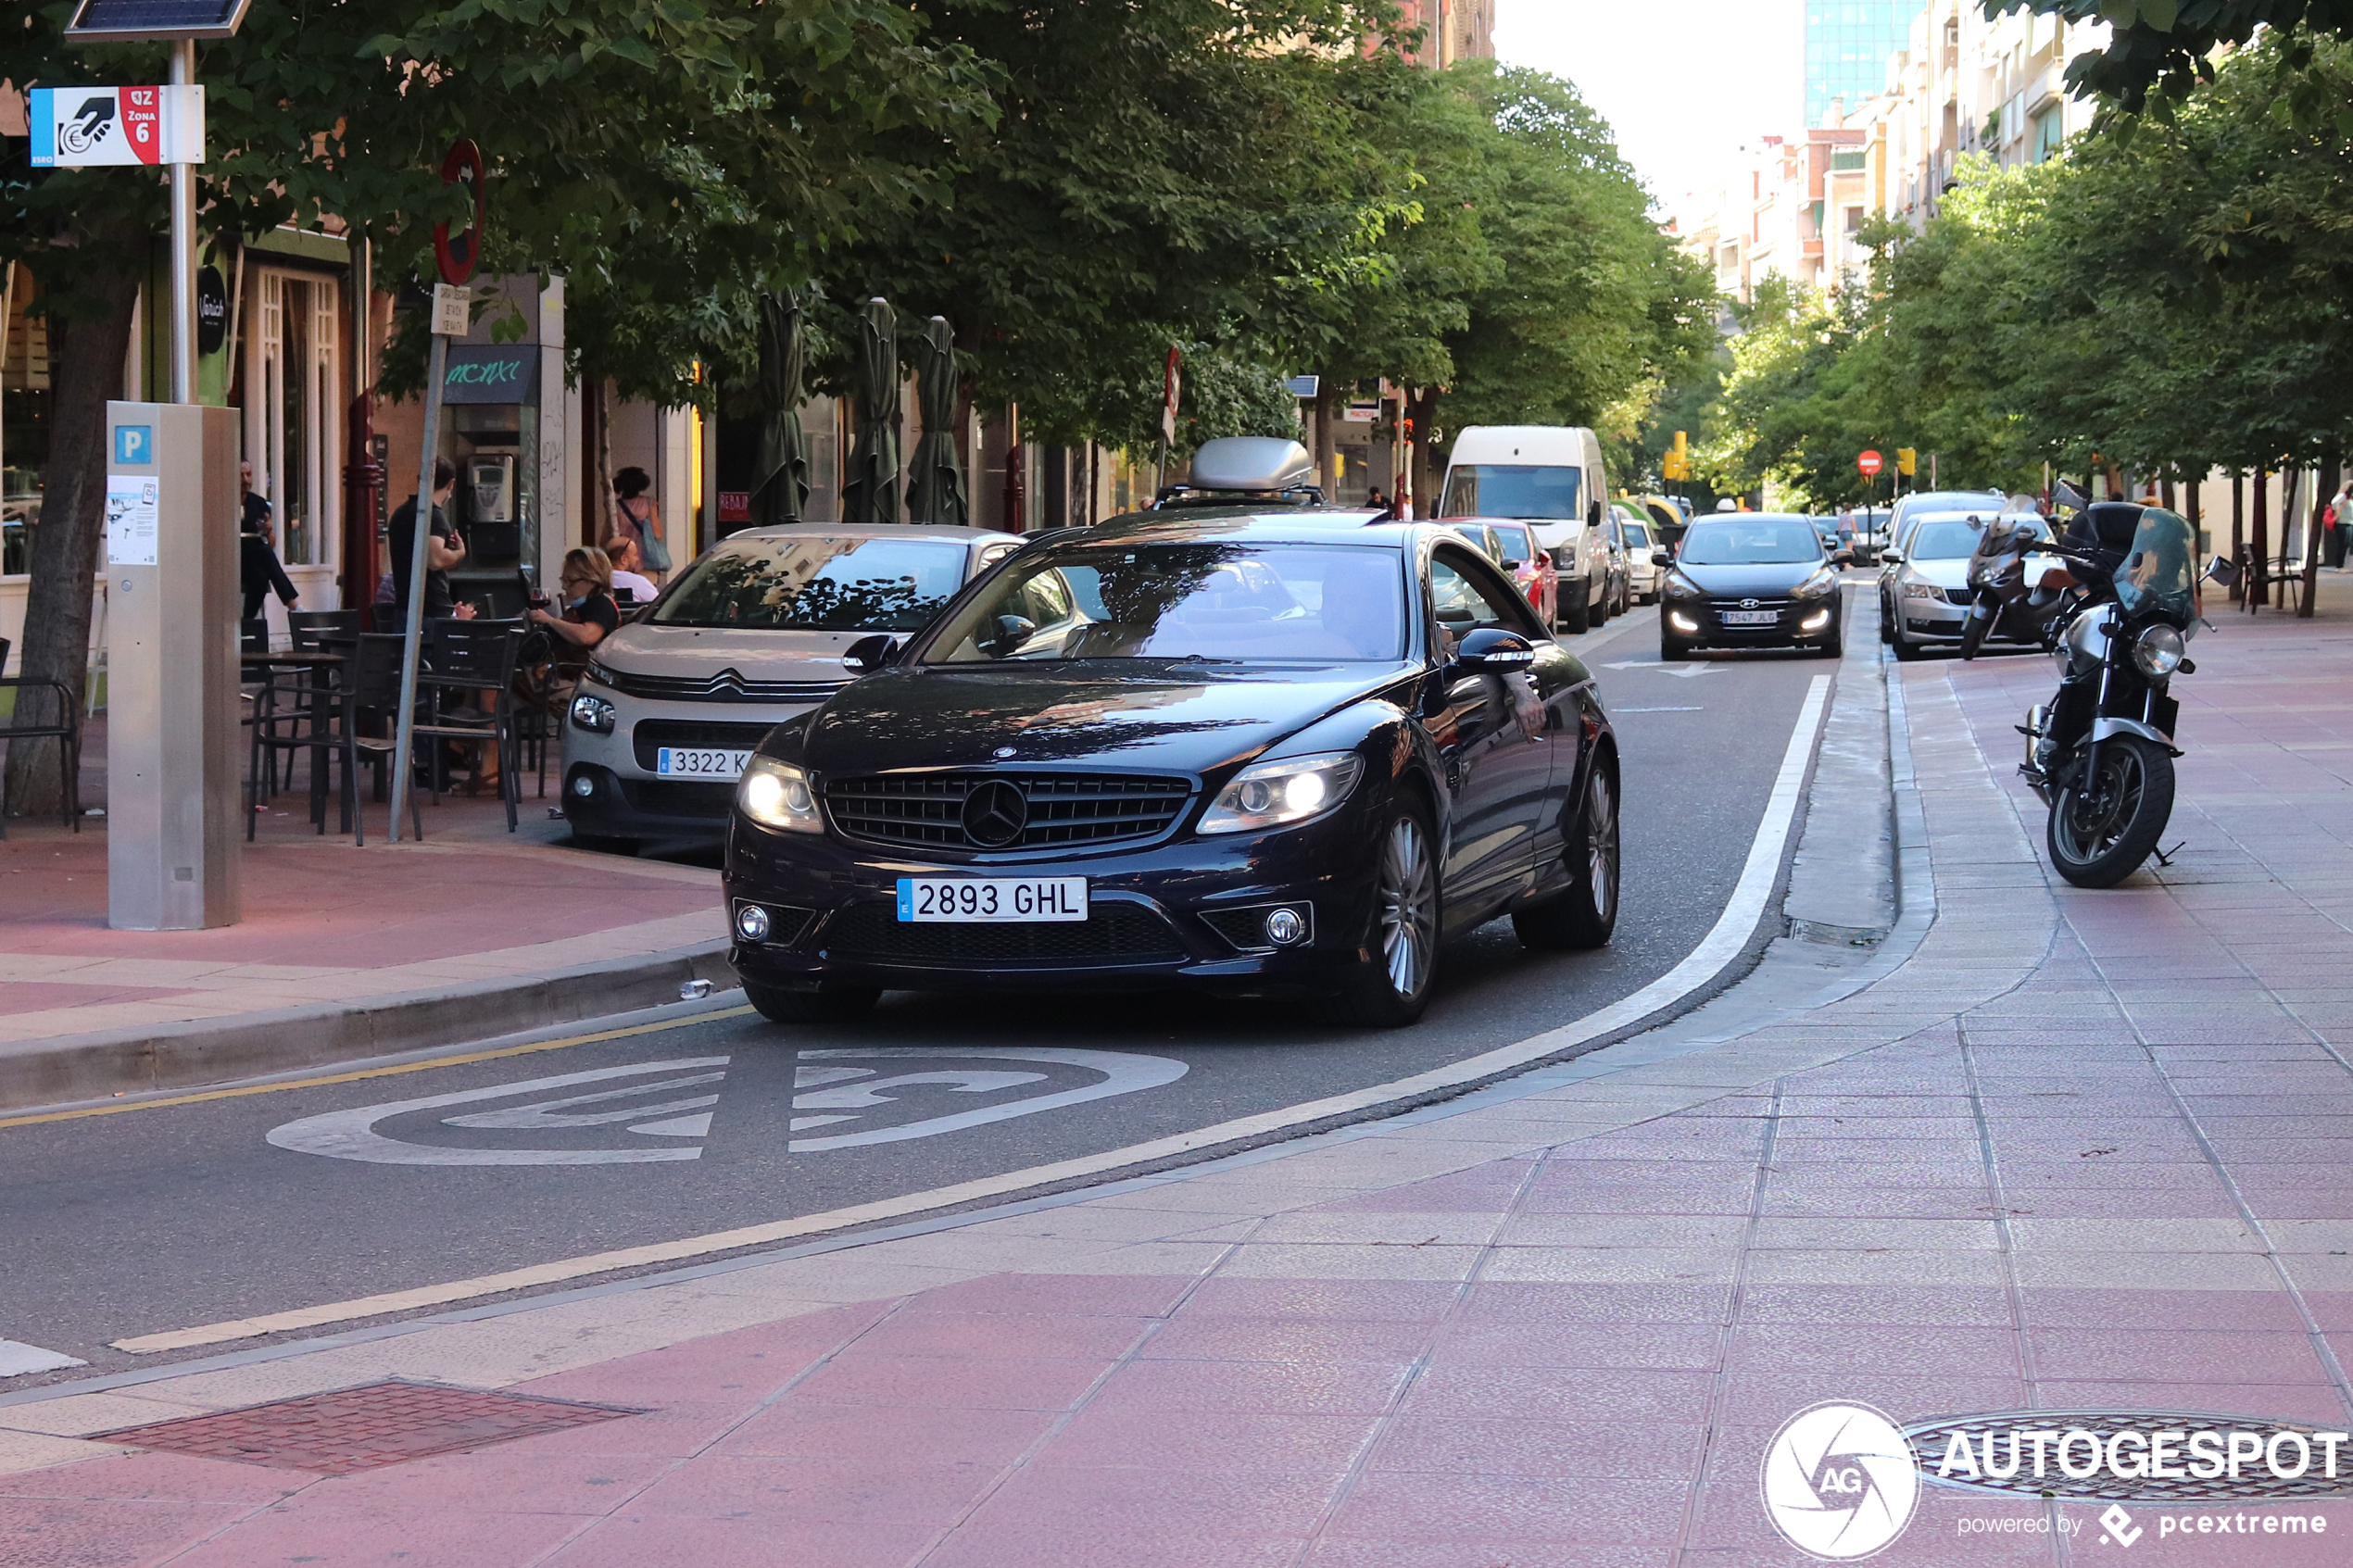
{"type": "Point", "coordinates": [589, 615]}
{"type": "Point", "coordinates": [621, 550]}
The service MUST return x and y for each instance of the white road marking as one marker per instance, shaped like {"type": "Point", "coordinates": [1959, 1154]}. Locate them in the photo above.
{"type": "Point", "coordinates": [1722, 944]}
{"type": "Point", "coordinates": [18, 1358]}
{"type": "Point", "coordinates": [351, 1135]}
{"type": "Point", "coordinates": [1124, 1073]}
{"type": "Point", "coordinates": [1686, 670]}
{"type": "Point", "coordinates": [677, 1127]}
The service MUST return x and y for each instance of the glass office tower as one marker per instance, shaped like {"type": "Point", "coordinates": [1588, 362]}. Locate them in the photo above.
{"type": "Point", "coordinates": [1848, 43]}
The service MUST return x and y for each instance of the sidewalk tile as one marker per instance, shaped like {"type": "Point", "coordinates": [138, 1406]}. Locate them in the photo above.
{"type": "Point", "coordinates": [1405, 1506]}
{"type": "Point", "coordinates": [1102, 1436]}
{"type": "Point", "coordinates": [974, 1383]}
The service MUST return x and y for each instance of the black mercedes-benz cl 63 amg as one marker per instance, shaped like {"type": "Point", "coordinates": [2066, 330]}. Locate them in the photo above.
{"type": "Point", "coordinates": [1256, 755]}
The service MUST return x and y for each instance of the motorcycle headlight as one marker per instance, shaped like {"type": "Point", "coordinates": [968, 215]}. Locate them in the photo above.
{"type": "Point", "coordinates": [2159, 652]}
{"type": "Point", "coordinates": [1677, 586]}
{"type": "Point", "coordinates": [1820, 585]}
{"type": "Point", "coordinates": [776, 795]}
{"type": "Point", "coordinates": [1273, 794]}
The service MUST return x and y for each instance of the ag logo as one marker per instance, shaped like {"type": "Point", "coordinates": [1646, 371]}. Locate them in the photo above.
{"type": "Point", "coordinates": [1839, 1481]}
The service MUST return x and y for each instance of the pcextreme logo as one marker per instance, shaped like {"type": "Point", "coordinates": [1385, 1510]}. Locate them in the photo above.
{"type": "Point", "coordinates": [1839, 1481]}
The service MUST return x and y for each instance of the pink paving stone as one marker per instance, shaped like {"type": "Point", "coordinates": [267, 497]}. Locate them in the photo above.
{"type": "Point", "coordinates": [2252, 1312]}
{"type": "Point", "coordinates": [2331, 1309]}
{"type": "Point", "coordinates": [2312, 1402]}
{"type": "Point", "coordinates": [1102, 1435]}
{"type": "Point", "coordinates": [1053, 1335]}
{"type": "Point", "coordinates": [1568, 1394]}
{"type": "Point", "coordinates": [747, 1360]}
{"type": "Point", "coordinates": [817, 1491]}
{"type": "Point", "coordinates": [1951, 1350]}
{"type": "Point", "coordinates": [931, 1382]}
{"type": "Point", "coordinates": [1124, 1296]}
{"type": "Point", "coordinates": [2159, 1355]}
{"type": "Point", "coordinates": [1477, 1191]}
{"type": "Point", "coordinates": [1460, 1445]}
{"type": "Point", "coordinates": [888, 1436]}
{"type": "Point", "coordinates": [1418, 1506]}
{"type": "Point", "coordinates": [1218, 1337]}
{"type": "Point", "coordinates": [1515, 1301]}
{"type": "Point", "coordinates": [521, 1482]}
{"type": "Point", "coordinates": [1259, 1387]}
{"type": "Point", "coordinates": [1860, 1200]}
{"type": "Point", "coordinates": [1075, 1545]}
{"type": "Point", "coordinates": [671, 1431]}
{"type": "Point", "coordinates": [1908, 1308]}
{"type": "Point", "coordinates": [1223, 1504]}
{"type": "Point", "coordinates": [65, 1533]}
{"type": "Point", "coordinates": [640, 1540]}
{"type": "Point", "coordinates": [1666, 1345]}
{"type": "Point", "coordinates": [1487, 1554]}
{"type": "Point", "coordinates": [1322, 1300]}
{"type": "Point", "coordinates": [1768, 1398]}
{"type": "Point", "coordinates": [155, 1477]}
{"type": "Point", "coordinates": [361, 1539]}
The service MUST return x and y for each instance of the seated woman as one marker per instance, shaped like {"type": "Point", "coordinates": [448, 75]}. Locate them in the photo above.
{"type": "Point", "coordinates": [589, 616]}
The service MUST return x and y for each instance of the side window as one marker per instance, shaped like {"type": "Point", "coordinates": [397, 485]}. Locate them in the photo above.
{"type": "Point", "coordinates": [1466, 594]}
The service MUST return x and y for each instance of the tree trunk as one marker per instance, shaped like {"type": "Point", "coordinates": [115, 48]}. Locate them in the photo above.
{"type": "Point", "coordinates": [1326, 438]}
{"type": "Point", "coordinates": [1423, 411]}
{"type": "Point", "coordinates": [2323, 486]}
{"type": "Point", "coordinates": [2259, 585]}
{"type": "Point", "coordinates": [86, 353]}
{"type": "Point", "coordinates": [2238, 534]}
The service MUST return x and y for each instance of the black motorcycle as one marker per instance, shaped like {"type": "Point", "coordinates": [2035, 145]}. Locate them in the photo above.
{"type": "Point", "coordinates": [2100, 754]}
{"type": "Point", "coordinates": [2002, 604]}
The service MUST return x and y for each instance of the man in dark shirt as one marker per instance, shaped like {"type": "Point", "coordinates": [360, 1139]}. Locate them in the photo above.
{"type": "Point", "coordinates": [259, 571]}
{"type": "Point", "coordinates": [444, 549]}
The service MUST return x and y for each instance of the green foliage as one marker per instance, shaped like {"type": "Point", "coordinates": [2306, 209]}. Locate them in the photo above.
{"type": "Point", "coordinates": [2167, 46]}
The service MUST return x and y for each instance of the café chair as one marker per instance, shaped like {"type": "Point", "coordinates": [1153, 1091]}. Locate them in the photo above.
{"type": "Point", "coordinates": [65, 727]}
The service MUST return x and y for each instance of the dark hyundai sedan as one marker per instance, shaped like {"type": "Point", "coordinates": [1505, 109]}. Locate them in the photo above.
{"type": "Point", "coordinates": [1746, 580]}
{"type": "Point", "coordinates": [1247, 754]}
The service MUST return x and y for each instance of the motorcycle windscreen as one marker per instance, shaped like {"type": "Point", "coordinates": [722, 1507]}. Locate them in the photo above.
{"type": "Point", "coordinates": [2159, 573]}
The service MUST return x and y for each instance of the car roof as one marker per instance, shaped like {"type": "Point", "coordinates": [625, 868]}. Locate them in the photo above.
{"type": "Point", "coordinates": [1750, 517]}
{"type": "Point", "coordinates": [960, 532]}
{"type": "Point", "coordinates": [1304, 526]}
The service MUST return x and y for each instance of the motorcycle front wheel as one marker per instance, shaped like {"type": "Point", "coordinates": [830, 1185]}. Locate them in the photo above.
{"type": "Point", "coordinates": [1973, 633]}
{"type": "Point", "coordinates": [2102, 828]}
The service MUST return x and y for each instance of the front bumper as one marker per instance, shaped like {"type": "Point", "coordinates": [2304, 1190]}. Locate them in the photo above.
{"type": "Point", "coordinates": [1795, 621]}
{"type": "Point", "coordinates": [1184, 913]}
{"type": "Point", "coordinates": [624, 797]}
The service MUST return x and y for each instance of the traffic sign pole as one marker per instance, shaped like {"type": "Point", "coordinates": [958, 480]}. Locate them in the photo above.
{"type": "Point", "coordinates": [184, 246]}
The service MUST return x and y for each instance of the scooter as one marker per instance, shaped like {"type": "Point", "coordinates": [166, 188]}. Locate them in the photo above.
{"type": "Point", "coordinates": [2003, 602]}
{"type": "Point", "coordinates": [2100, 753]}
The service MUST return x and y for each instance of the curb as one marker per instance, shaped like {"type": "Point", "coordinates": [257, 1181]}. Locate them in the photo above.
{"type": "Point", "coordinates": [76, 1067]}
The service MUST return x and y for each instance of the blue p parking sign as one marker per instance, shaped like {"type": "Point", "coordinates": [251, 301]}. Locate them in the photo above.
{"type": "Point", "coordinates": [134, 445]}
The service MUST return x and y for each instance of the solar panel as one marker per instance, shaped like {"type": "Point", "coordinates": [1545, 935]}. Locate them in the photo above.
{"type": "Point", "coordinates": [113, 21]}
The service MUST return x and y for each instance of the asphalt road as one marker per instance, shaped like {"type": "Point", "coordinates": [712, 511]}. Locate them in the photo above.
{"type": "Point", "coordinates": [164, 1218]}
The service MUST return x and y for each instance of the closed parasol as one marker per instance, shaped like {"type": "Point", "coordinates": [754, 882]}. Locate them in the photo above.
{"type": "Point", "coordinates": [934, 481]}
{"type": "Point", "coordinates": [870, 487]}
{"type": "Point", "coordinates": [780, 484]}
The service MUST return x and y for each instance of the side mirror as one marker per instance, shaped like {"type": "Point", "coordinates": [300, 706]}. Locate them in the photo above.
{"type": "Point", "coordinates": [869, 652]}
{"type": "Point", "coordinates": [1010, 633]}
{"type": "Point", "coordinates": [1492, 650]}
{"type": "Point", "coordinates": [1890, 557]}
{"type": "Point", "coordinates": [1662, 558]}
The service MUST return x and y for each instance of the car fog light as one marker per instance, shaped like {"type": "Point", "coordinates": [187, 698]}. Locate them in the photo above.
{"type": "Point", "coordinates": [1680, 621]}
{"type": "Point", "coordinates": [1285, 928]}
{"type": "Point", "coordinates": [583, 785]}
{"type": "Point", "coordinates": [1815, 621]}
{"type": "Point", "coordinates": [751, 923]}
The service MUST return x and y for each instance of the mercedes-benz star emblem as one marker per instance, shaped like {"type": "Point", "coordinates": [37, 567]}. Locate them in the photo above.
{"type": "Point", "coordinates": [995, 813]}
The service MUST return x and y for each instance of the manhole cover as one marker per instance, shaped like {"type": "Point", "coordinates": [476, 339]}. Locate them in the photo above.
{"type": "Point", "coordinates": [362, 1428]}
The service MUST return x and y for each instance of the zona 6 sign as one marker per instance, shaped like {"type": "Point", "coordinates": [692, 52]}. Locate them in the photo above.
{"type": "Point", "coordinates": [83, 127]}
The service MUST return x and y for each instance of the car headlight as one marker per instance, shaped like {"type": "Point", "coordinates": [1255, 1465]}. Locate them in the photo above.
{"type": "Point", "coordinates": [1922, 591]}
{"type": "Point", "coordinates": [2159, 652]}
{"type": "Point", "coordinates": [776, 795]}
{"type": "Point", "coordinates": [1821, 584]}
{"type": "Point", "coordinates": [1273, 794]}
{"type": "Point", "coordinates": [1677, 586]}
{"type": "Point", "coordinates": [592, 713]}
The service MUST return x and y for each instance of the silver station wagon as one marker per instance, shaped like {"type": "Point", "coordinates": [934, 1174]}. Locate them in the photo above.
{"type": "Point", "coordinates": [751, 635]}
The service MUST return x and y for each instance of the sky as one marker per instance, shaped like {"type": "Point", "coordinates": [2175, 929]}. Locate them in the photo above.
{"type": "Point", "coordinates": [1683, 82]}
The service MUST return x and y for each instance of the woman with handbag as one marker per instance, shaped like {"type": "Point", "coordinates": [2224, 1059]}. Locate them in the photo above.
{"type": "Point", "coordinates": [641, 519]}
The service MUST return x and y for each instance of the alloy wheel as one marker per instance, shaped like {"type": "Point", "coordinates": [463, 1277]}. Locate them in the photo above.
{"type": "Point", "coordinates": [1601, 844]}
{"type": "Point", "coordinates": [2093, 820]}
{"type": "Point", "coordinates": [1408, 908]}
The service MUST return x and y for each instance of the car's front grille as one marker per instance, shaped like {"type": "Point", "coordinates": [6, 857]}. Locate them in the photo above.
{"type": "Point", "coordinates": [1720, 606]}
{"type": "Point", "coordinates": [1112, 933]}
{"type": "Point", "coordinates": [679, 798]}
{"type": "Point", "coordinates": [927, 809]}
{"type": "Point", "coordinates": [725, 686]}
{"type": "Point", "coordinates": [649, 735]}
{"type": "Point", "coordinates": [1960, 596]}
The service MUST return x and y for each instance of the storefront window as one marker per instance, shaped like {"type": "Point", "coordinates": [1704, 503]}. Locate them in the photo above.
{"type": "Point", "coordinates": [24, 416]}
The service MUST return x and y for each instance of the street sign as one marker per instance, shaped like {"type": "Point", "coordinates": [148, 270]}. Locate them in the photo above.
{"type": "Point", "coordinates": [1302, 387]}
{"type": "Point", "coordinates": [1172, 383]}
{"type": "Point", "coordinates": [1871, 463]}
{"type": "Point", "coordinates": [458, 257]}
{"type": "Point", "coordinates": [89, 127]}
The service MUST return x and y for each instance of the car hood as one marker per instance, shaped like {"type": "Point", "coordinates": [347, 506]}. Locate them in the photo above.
{"type": "Point", "coordinates": [1763, 577]}
{"type": "Point", "coordinates": [1192, 721]}
{"type": "Point", "coordinates": [1943, 573]}
{"type": "Point", "coordinates": [702, 652]}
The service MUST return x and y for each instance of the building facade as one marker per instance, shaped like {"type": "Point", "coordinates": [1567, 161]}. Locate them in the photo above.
{"type": "Point", "coordinates": [1847, 44]}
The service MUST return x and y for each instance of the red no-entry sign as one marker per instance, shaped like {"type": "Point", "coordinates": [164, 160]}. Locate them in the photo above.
{"type": "Point", "coordinates": [1869, 462]}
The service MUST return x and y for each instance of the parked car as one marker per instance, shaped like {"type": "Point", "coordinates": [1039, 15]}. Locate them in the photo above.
{"type": "Point", "coordinates": [1924, 591]}
{"type": "Point", "coordinates": [1750, 579]}
{"type": "Point", "coordinates": [751, 635]}
{"type": "Point", "coordinates": [1551, 478]}
{"type": "Point", "coordinates": [1246, 755]}
{"type": "Point", "coordinates": [1641, 572]}
{"type": "Point", "coordinates": [1479, 533]}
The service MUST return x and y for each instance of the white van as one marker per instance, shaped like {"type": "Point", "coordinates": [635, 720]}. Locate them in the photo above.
{"type": "Point", "coordinates": [1550, 477]}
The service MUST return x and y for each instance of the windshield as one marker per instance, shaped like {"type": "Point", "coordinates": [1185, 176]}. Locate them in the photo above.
{"type": "Point", "coordinates": [1637, 536]}
{"type": "Point", "coordinates": [1191, 600]}
{"type": "Point", "coordinates": [1751, 542]}
{"type": "Point", "coordinates": [817, 583]}
{"type": "Point", "coordinates": [1514, 539]}
{"type": "Point", "coordinates": [1512, 490]}
{"type": "Point", "coordinates": [2159, 575]}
